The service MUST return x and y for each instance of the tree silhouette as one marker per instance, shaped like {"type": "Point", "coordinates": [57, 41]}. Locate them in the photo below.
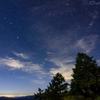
{"type": "Point", "coordinates": [39, 95]}
{"type": "Point", "coordinates": [57, 87]}
{"type": "Point", "coordinates": [85, 82]}
{"type": "Point", "coordinates": [86, 76]}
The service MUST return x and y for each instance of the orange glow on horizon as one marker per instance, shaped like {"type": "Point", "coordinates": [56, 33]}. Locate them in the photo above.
{"type": "Point", "coordinates": [13, 95]}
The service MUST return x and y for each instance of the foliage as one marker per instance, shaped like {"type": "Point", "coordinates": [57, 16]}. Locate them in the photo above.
{"type": "Point", "coordinates": [98, 98]}
{"type": "Point", "coordinates": [85, 84]}
{"type": "Point", "coordinates": [39, 95]}
{"type": "Point", "coordinates": [80, 97]}
{"type": "Point", "coordinates": [86, 76]}
{"type": "Point", "coordinates": [56, 89]}
{"type": "Point", "coordinates": [89, 98]}
{"type": "Point", "coordinates": [69, 98]}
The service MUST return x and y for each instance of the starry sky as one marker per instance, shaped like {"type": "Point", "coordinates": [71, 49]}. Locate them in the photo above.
{"type": "Point", "coordinates": [39, 38]}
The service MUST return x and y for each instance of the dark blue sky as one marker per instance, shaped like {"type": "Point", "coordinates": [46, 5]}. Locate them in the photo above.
{"type": "Point", "coordinates": [39, 38]}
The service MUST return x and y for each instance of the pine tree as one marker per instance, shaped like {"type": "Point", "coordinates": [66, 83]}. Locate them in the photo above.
{"type": "Point", "coordinates": [86, 76]}
{"type": "Point", "coordinates": [56, 87]}
{"type": "Point", "coordinates": [39, 95]}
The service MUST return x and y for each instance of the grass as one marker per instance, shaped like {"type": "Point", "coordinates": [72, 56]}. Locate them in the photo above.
{"type": "Point", "coordinates": [79, 98]}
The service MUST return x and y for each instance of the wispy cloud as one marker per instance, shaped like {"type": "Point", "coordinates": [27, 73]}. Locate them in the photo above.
{"type": "Point", "coordinates": [17, 64]}
{"type": "Point", "coordinates": [22, 55]}
{"type": "Point", "coordinates": [64, 55]}
{"type": "Point", "coordinates": [64, 67]}
{"type": "Point", "coordinates": [38, 81]}
{"type": "Point", "coordinates": [62, 46]}
{"type": "Point", "coordinates": [50, 53]}
{"type": "Point", "coordinates": [94, 16]}
{"type": "Point", "coordinates": [11, 62]}
{"type": "Point", "coordinates": [98, 61]}
{"type": "Point", "coordinates": [21, 77]}
{"type": "Point", "coordinates": [87, 43]}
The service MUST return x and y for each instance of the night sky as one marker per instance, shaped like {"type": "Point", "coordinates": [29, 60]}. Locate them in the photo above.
{"type": "Point", "coordinates": [39, 38]}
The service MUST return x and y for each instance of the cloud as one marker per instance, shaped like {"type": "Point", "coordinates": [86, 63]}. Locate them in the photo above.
{"type": "Point", "coordinates": [50, 53]}
{"type": "Point", "coordinates": [11, 62]}
{"type": "Point", "coordinates": [30, 67]}
{"type": "Point", "coordinates": [62, 46]}
{"type": "Point", "coordinates": [21, 77]}
{"type": "Point", "coordinates": [63, 67]}
{"type": "Point", "coordinates": [94, 17]}
{"type": "Point", "coordinates": [64, 50]}
{"type": "Point", "coordinates": [87, 43]}
{"type": "Point", "coordinates": [98, 61]}
{"type": "Point", "coordinates": [22, 55]}
{"type": "Point", "coordinates": [16, 64]}
{"type": "Point", "coordinates": [38, 81]}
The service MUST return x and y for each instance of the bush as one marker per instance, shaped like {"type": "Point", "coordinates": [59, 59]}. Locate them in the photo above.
{"type": "Point", "coordinates": [70, 98]}
{"type": "Point", "coordinates": [77, 97]}
{"type": "Point", "coordinates": [80, 97]}
{"type": "Point", "coordinates": [98, 98]}
{"type": "Point", "coordinates": [89, 98]}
